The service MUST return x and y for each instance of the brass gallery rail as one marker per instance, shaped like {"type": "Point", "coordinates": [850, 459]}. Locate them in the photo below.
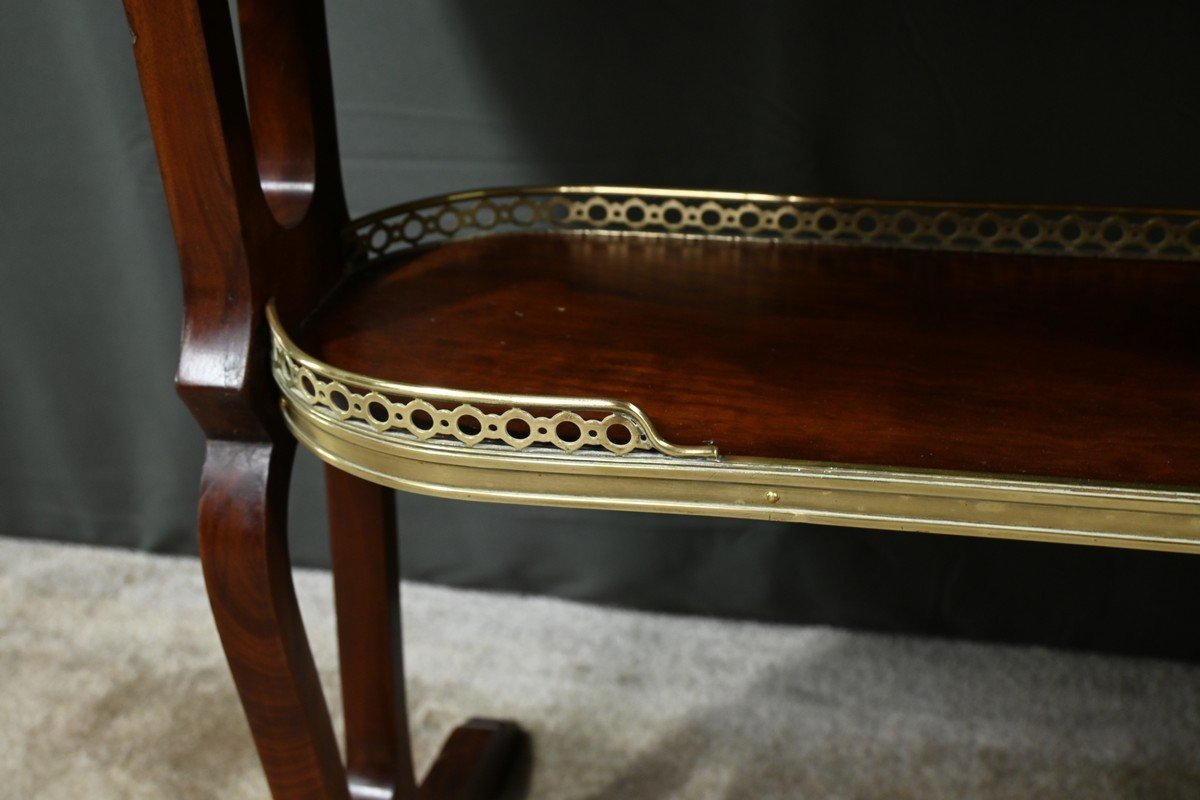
{"type": "Point", "coordinates": [605, 453]}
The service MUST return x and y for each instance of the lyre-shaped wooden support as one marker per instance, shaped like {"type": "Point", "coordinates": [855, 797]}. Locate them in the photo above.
{"type": "Point", "coordinates": [254, 190]}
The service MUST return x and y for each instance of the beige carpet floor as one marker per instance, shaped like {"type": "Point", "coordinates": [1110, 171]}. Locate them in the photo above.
{"type": "Point", "coordinates": [112, 685]}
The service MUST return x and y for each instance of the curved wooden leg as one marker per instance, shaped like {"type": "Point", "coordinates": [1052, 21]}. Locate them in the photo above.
{"type": "Point", "coordinates": [243, 547]}
{"type": "Point", "coordinates": [366, 579]}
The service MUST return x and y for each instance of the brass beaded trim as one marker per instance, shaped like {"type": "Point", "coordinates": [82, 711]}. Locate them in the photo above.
{"type": "Point", "coordinates": [1136, 233]}
{"type": "Point", "coordinates": [465, 418]}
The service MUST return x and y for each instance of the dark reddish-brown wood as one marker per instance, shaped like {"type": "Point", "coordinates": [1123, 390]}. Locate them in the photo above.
{"type": "Point", "coordinates": [366, 582]}
{"type": "Point", "coordinates": [253, 186]}
{"type": "Point", "coordinates": [1081, 368]}
{"type": "Point", "coordinates": [243, 547]}
{"type": "Point", "coordinates": [234, 253]}
{"type": "Point", "coordinates": [474, 762]}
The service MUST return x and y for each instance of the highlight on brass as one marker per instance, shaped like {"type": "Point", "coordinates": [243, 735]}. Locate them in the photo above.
{"type": "Point", "coordinates": [446, 416]}
{"type": "Point", "coordinates": [1128, 233]}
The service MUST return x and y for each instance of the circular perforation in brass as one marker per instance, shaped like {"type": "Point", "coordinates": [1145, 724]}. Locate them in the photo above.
{"type": "Point", "coordinates": [426, 420]}
{"type": "Point", "coordinates": [915, 225]}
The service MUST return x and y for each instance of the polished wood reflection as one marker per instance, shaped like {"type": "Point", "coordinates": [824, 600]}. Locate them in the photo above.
{"type": "Point", "coordinates": [1080, 368]}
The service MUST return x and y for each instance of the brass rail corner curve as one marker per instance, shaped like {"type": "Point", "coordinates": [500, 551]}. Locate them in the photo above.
{"type": "Point", "coordinates": [407, 414]}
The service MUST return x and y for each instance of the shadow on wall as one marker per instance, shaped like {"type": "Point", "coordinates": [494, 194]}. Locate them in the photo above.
{"type": "Point", "coordinates": [1084, 598]}
{"type": "Point", "coordinates": [1034, 102]}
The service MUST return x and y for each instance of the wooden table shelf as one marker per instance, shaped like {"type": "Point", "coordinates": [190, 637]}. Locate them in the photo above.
{"type": "Point", "coordinates": [902, 359]}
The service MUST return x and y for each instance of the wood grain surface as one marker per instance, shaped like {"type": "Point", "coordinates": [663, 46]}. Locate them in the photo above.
{"type": "Point", "coordinates": [1080, 368]}
{"type": "Point", "coordinates": [254, 189]}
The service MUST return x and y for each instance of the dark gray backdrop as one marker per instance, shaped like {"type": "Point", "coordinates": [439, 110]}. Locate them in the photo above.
{"type": "Point", "coordinates": [1019, 101]}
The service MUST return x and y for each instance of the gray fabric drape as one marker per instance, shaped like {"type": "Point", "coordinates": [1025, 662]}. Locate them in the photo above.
{"type": "Point", "coordinates": [1049, 101]}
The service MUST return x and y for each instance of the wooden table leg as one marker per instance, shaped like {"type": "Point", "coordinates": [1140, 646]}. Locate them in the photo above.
{"type": "Point", "coordinates": [243, 548]}
{"type": "Point", "coordinates": [475, 759]}
{"type": "Point", "coordinates": [366, 583]}
{"type": "Point", "coordinates": [474, 763]}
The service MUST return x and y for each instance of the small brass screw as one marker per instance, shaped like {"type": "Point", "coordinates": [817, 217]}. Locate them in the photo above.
{"type": "Point", "coordinates": [772, 496]}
